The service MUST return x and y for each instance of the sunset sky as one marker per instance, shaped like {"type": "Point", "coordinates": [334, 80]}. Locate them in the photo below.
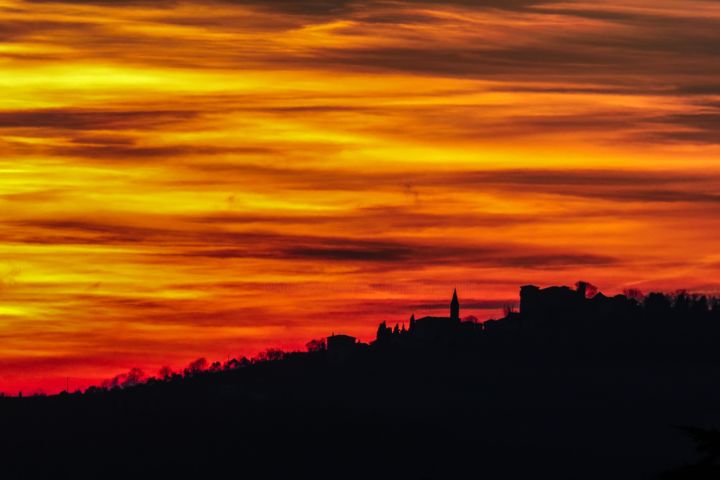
{"type": "Point", "coordinates": [193, 178]}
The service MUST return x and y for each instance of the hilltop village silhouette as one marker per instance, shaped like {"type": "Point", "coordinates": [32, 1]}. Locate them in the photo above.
{"type": "Point", "coordinates": [564, 316]}
{"type": "Point", "coordinates": [575, 384]}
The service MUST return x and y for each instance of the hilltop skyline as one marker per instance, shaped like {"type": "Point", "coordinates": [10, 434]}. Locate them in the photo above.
{"type": "Point", "coordinates": [582, 314]}
{"type": "Point", "coordinates": [201, 179]}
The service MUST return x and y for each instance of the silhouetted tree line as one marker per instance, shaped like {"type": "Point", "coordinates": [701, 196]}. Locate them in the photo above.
{"type": "Point", "coordinates": [136, 376]}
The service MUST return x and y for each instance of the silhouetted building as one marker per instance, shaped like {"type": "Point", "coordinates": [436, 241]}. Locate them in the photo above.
{"type": "Point", "coordinates": [426, 329]}
{"type": "Point", "coordinates": [550, 306]}
{"type": "Point", "coordinates": [340, 347]}
{"type": "Point", "coordinates": [455, 307]}
{"type": "Point", "coordinates": [529, 300]}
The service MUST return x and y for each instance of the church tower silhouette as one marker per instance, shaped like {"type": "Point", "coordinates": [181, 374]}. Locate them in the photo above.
{"type": "Point", "coordinates": [455, 307]}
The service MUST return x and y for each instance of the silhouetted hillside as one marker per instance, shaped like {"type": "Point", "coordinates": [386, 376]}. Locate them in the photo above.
{"type": "Point", "coordinates": [574, 385]}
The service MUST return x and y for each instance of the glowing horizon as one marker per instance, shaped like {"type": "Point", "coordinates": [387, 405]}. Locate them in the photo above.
{"type": "Point", "coordinates": [202, 179]}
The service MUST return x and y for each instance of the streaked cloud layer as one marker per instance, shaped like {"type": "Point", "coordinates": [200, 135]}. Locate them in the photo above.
{"type": "Point", "coordinates": [184, 179]}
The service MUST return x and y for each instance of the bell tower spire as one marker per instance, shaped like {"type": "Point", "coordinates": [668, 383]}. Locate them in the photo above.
{"type": "Point", "coordinates": [455, 307]}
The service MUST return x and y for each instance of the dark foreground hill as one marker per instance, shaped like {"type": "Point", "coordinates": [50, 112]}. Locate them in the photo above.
{"type": "Point", "coordinates": [528, 396]}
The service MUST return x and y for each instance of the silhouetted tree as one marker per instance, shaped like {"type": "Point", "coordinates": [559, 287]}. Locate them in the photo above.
{"type": "Point", "coordinates": [270, 355]}
{"type": "Point", "coordinates": [232, 364]}
{"type": "Point", "coordinates": [715, 307]}
{"type": "Point", "coordinates": [657, 306]}
{"type": "Point", "coordinates": [134, 377]}
{"type": "Point", "coordinates": [166, 373]}
{"type": "Point", "coordinates": [634, 294]}
{"type": "Point", "coordinates": [316, 345]}
{"type": "Point", "coordinates": [383, 332]}
{"type": "Point", "coordinates": [681, 304]}
{"type": "Point", "coordinates": [587, 289]}
{"type": "Point", "coordinates": [195, 367]}
{"type": "Point", "coordinates": [699, 307]}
